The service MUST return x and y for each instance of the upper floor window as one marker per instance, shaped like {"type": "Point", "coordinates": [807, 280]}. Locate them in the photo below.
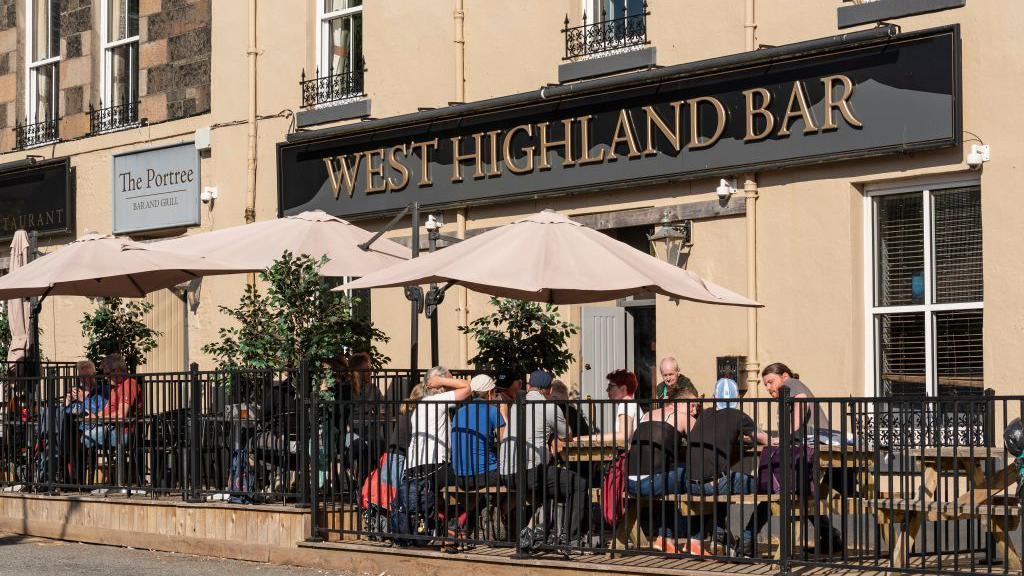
{"type": "Point", "coordinates": [341, 36]}
{"type": "Point", "coordinates": [607, 26]}
{"type": "Point", "coordinates": [120, 36]}
{"type": "Point", "coordinates": [42, 69]}
{"type": "Point", "coordinates": [339, 53]}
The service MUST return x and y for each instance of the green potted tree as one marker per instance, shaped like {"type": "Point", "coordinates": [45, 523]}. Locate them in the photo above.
{"type": "Point", "coordinates": [521, 336]}
{"type": "Point", "coordinates": [297, 317]}
{"type": "Point", "coordinates": [116, 326]}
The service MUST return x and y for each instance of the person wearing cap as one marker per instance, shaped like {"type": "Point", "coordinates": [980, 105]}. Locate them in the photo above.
{"type": "Point", "coordinates": [476, 429]}
{"type": "Point", "coordinates": [715, 444]}
{"type": "Point", "coordinates": [546, 430]}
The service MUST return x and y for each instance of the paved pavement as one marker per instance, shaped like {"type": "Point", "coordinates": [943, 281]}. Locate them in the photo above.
{"type": "Point", "coordinates": [27, 556]}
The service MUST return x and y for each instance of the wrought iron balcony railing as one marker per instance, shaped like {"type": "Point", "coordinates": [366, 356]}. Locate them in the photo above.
{"type": "Point", "coordinates": [29, 135]}
{"type": "Point", "coordinates": [331, 88]}
{"type": "Point", "coordinates": [615, 35]}
{"type": "Point", "coordinates": [113, 118]}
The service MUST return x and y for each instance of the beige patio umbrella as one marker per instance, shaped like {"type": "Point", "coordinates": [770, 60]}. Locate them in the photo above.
{"type": "Point", "coordinates": [316, 233]}
{"type": "Point", "coordinates": [97, 265]}
{"type": "Point", "coordinates": [19, 310]}
{"type": "Point", "coordinates": [548, 257]}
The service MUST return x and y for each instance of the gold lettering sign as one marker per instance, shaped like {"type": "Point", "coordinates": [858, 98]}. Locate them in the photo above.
{"type": "Point", "coordinates": [587, 140]}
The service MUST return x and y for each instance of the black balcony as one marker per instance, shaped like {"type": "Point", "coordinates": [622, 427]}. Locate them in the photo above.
{"type": "Point", "coordinates": [331, 88]}
{"type": "Point", "coordinates": [29, 135]}
{"type": "Point", "coordinates": [615, 35]}
{"type": "Point", "coordinates": [113, 118]}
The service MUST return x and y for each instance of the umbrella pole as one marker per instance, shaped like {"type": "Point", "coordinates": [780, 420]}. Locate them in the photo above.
{"type": "Point", "coordinates": [35, 304]}
{"type": "Point", "coordinates": [415, 296]}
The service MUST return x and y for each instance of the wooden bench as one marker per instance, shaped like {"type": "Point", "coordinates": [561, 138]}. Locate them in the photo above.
{"type": "Point", "coordinates": [1001, 514]}
{"type": "Point", "coordinates": [689, 505]}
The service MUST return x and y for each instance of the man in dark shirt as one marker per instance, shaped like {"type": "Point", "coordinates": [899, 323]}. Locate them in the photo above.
{"type": "Point", "coordinates": [714, 445]}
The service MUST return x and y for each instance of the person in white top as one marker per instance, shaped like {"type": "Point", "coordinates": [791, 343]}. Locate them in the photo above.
{"type": "Point", "coordinates": [427, 468]}
{"type": "Point", "coordinates": [622, 385]}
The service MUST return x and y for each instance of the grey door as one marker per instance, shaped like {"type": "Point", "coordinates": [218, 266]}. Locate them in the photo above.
{"type": "Point", "coordinates": [604, 350]}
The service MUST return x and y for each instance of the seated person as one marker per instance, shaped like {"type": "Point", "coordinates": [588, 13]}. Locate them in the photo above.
{"type": "Point", "coordinates": [577, 422]}
{"type": "Point", "coordinates": [476, 429]}
{"type": "Point", "coordinates": [654, 464]}
{"type": "Point", "coordinates": [124, 393]}
{"type": "Point", "coordinates": [622, 385]}
{"type": "Point", "coordinates": [715, 444]}
{"type": "Point", "coordinates": [548, 484]}
{"type": "Point", "coordinates": [86, 397]}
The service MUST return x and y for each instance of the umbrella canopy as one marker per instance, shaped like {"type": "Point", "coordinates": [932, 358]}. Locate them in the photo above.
{"type": "Point", "coordinates": [96, 266]}
{"type": "Point", "coordinates": [316, 233]}
{"type": "Point", "coordinates": [547, 257]}
{"type": "Point", "coordinates": [19, 310]}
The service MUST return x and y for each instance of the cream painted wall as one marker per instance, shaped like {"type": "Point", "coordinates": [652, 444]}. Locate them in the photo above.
{"type": "Point", "coordinates": [810, 244]}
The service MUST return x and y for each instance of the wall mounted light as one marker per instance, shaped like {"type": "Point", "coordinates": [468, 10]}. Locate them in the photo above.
{"type": "Point", "coordinates": [669, 240]}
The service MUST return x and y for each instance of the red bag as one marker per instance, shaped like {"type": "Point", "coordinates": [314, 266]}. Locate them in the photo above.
{"type": "Point", "coordinates": [613, 491]}
{"type": "Point", "coordinates": [376, 490]}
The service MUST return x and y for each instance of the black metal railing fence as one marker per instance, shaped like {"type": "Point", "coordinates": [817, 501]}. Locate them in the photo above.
{"type": "Point", "coordinates": [781, 482]}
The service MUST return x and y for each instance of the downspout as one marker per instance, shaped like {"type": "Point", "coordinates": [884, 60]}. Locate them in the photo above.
{"type": "Point", "coordinates": [460, 96]}
{"type": "Point", "coordinates": [753, 366]}
{"type": "Point", "coordinates": [250, 197]}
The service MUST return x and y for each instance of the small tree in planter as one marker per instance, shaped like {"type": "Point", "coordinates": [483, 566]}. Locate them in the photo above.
{"type": "Point", "coordinates": [297, 318]}
{"type": "Point", "coordinates": [5, 335]}
{"type": "Point", "coordinates": [116, 326]}
{"type": "Point", "coordinates": [521, 336]}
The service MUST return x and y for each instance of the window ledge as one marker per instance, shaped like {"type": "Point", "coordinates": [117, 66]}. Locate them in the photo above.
{"type": "Point", "coordinates": [608, 63]}
{"type": "Point", "coordinates": [332, 112]}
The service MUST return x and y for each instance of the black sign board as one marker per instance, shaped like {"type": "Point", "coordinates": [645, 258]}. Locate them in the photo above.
{"type": "Point", "coordinates": [889, 95]}
{"type": "Point", "coordinates": [37, 197]}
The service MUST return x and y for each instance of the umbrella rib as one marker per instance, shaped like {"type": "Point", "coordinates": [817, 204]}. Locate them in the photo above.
{"type": "Point", "coordinates": [136, 284]}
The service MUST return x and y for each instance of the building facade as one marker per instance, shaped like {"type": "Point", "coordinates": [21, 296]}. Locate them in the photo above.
{"type": "Point", "coordinates": [834, 176]}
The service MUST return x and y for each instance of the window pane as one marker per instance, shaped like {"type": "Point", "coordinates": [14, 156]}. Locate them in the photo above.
{"type": "Point", "coordinates": [45, 29]}
{"type": "Point", "coordinates": [957, 225]}
{"type": "Point", "coordinates": [900, 246]}
{"type": "Point", "coordinates": [124, 74]}
{"type": "Point", "coordinates": [901, 362]}
{"type": "Point", "coordinates": [612, 9]}
{"type": "Point", "coordinates": [335, 5]}
{"type": "Point", "coordinates": [959, 364]}
{"type": "Point", "coordinates": [345, 44]}
{"type": "Point", "coordinates": [123, 19]}
{"type": "Point", "coordinates": [45, 79]}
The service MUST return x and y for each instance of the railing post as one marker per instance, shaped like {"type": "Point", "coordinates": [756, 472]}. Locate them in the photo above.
{"type": "Point", "coordinates": [786, 472]}
{"type": "Point", "coordinates": [989, 418]}
{"type": "Point", "coordinates": [303, 439]}
{"type": "Point", "coordinates": [195, 427]}
{"type": "Point", "coordinates": [314, 450]}
{"type": "Point", "coordinates": [51, 432]}
{"type": "Point", "coordinates": [520, 443]}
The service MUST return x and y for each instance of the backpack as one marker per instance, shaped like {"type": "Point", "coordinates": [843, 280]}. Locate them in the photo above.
{"type": "Point", "coordinates": [613, 491]}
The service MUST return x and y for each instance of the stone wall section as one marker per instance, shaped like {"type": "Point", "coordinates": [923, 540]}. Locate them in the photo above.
{"type": "Point", "coordinates": [9, 66]}
{"type": "Point", "coordinates": [79, 65]}
{"type": "Point", "coordinates": [174, 58]}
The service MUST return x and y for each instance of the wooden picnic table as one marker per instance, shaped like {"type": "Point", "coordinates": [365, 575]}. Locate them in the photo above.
{"type": "Point", "coordinates": [985, 499]}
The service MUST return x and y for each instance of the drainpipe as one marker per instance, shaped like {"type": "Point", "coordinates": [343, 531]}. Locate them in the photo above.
{"type": "Point", "coordinates": [460, 50]}
{"type": "Point", "coordinates": [753, 367]}
{"type": "Point", "coordinates": [250, 196]}
{"type": "Point", "coordinates": [460, 96]}
{"type": "Point", "coordinates": [463, 297]}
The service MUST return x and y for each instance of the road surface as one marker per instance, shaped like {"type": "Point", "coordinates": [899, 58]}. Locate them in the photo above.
{"type": "Point", "coordinates": [28, 556]}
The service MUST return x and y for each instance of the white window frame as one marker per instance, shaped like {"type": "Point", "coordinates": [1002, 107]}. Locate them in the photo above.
{"type": "Point", "coordinates": [927, 188]}
{"type": "Point", "coordinates": [105, 56]}
{"type": "Point", "coordinates": [31, 86]}
{"type": "Point", "coordinates": [322, 20]}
